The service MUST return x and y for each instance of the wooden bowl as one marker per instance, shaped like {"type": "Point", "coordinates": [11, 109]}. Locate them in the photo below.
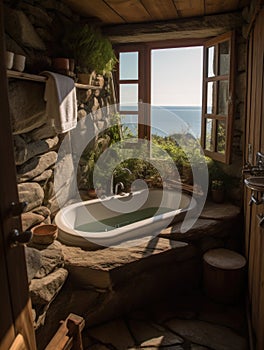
{"type": "Point", "coordinates": [44, 234]}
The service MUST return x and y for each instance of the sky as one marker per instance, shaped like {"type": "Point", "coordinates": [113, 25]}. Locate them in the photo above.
{"type": "Point", "coordinates": [176, 80]}
{"type": "Point", "coordinates": [177, 77]}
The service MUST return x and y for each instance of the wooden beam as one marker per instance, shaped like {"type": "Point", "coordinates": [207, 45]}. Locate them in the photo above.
{"type": "Point", "coordinates": [99, 9]}
{"type": "Point", "coordinates": [198, 27]}
{"type": "Point", "coordinates": [191, 8]}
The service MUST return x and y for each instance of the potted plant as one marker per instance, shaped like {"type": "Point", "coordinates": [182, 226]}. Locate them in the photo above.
{"type": "Point", "coordinates": [218, 191]}
{"type": "Point", "coordinates": [91, 51]}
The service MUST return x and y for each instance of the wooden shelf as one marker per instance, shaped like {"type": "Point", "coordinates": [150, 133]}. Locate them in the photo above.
{"type": "Point", "coordinates": [42, 79]}
{"type": "Point", "coordinates": [86, 87]}
{"type": "Point", "coordinates": [25, 76]}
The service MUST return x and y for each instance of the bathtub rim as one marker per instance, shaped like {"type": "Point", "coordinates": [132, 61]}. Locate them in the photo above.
{"type": "Point", "coordinates": [97, 237]}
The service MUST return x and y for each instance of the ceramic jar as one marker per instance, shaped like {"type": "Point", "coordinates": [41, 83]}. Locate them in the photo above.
{"type": "Point", "coordinates": [19, 62]}
{"type": "Point", "coordinates": [9, 57]}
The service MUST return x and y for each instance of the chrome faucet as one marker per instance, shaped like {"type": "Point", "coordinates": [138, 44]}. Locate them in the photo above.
{"type": "Point", "coordinates": [126, 169]}
{"type": "Point", "coordinates": [112, 181]}
{"type": "Point", "coordinates": [119, 184]}
{"type": "Point", "coordinates": [255, 170]}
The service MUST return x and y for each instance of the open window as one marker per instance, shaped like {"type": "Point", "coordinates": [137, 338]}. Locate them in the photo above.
{"type": "Point", "coordinates": [133, 88]}
{"type": "Point", "coordinates": [134, 85]}
{"type": "Point", "coordinates": [218, 97]}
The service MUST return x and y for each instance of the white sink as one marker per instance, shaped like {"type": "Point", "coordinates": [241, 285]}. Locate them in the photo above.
{"type": "Point", "coordinates": [255, 183]}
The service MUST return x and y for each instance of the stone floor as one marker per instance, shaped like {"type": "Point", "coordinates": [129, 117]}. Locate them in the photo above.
{"type": "Point", "coordinates": [186, 323]}
{"type": "Point", "coordinates": [106, 284]}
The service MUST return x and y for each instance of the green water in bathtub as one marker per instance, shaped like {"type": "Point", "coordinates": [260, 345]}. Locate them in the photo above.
{"type": "Point", "coordinates": [112, 223]}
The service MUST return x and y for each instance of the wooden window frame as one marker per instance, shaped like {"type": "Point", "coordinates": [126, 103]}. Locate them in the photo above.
{"type": "Point", "coordinates": [144, 82]}
{"type": "Point", "coordinates": [214, 154]}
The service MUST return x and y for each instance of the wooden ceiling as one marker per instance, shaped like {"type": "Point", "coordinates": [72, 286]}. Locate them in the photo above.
{"type": "Point", "coordinates": [111, 12]}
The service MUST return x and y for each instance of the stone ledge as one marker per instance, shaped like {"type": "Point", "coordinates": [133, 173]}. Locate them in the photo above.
{"type": "Point", "coordinates": [216, 220]}
{"type": "Point", "coordinates": [108, 267]}
{"type": "Point", "coordinates": [202, 228]}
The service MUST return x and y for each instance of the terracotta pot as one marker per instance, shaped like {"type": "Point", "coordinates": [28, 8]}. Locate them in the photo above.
{"type": "Point", "coordinates": [86, 78]}
{"type": "Point", "coordinates": [44, 234]}
{"type": "Point", "coordinates": [92, 193]}
{"type": "Point", "coordinates": [19, 62]}
{"type": "Point", "coordinates": [218, 196]}
{"type": "Point", "coordinates": [71, 64]}
{"type": "Point", "coordinates": [9, 57]}
{"type": "Point", "coordinates": [60, 63]}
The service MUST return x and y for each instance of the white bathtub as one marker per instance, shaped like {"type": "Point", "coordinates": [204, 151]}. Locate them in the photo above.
{"type": "Point", "coordinates": [121, 219]}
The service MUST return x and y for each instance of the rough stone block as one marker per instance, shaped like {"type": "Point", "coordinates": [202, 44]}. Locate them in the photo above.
{"type": "Point", "coordinates": [109, 267]}
{"type": "Point", "coordinates": [27, 106]}
{"type": "Point", "coordinates": [32, 193]}
{"type": "Point", "coordinates": [25, 151]}
{"type": "Point", "coordinates": [45, 34]}
{"type": "Point", "coordinates": [43, 132]}
{"type": "Point", "coordinates": [63, 189]}
{"type": "Point", "coordinates": [21, 30]}
{"type": "Point", "coordinates": [31, 219]}
{"type": "Point", "coordinates": [146, 288]}
{"type": "Point", "coordinates": [33, 262]}
{"type": "Point", "coordinates": [43, 290]}
{"type": "Point", "coordinates": [44, 211]}
{"type": "Point", "coordinates": [45, 176]}
{"type": "Point", "coordinates": [36, 166]}
{"type": "Point", "coordinates": [13, 46]}
{"type": "Point", "coordinates": [38, 15]}
{"type": "Point", "coordinates": [51, 258]}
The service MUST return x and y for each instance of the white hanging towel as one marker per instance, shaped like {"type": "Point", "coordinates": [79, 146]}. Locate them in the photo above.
{"type": "Point", "coordinates": [61, 107]}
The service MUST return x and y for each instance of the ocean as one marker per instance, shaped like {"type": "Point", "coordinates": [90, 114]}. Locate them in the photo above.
{"type": "Point", "coordinates": [169, 120]}
{"type": "Point", "coordinates": [176, 119]}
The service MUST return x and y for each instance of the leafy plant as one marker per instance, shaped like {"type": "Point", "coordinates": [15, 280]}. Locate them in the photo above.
{"type": "Point", "coordinates": [217, 185]}
{"type": "Point", "coordinates": [90, 49]}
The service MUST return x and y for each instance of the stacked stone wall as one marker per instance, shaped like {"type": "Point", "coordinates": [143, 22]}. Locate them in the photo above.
{"type": "Point", "coordinates": [34, 28]}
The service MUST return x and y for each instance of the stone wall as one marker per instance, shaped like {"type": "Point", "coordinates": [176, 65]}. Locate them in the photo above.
{"type": "Point", "coordinates": [35, 29]}
{"type": "Point", "coordinates": [36, 146]}
{"type": "Point", "coordinates": [28, 29]}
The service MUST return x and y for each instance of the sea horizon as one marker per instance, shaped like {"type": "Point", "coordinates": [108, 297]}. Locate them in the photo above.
{"type": "Point", "coordinates": [179, 119]}
{"type": "Point", "coordinates": [169, 120]}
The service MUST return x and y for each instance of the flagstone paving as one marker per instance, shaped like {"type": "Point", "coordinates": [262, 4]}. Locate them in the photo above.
{"type": "Point", "coordinates": [187, 323]}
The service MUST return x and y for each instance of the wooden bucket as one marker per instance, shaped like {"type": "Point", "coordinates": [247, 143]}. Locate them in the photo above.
{"type": "Point", "coordinates": [224, 275]}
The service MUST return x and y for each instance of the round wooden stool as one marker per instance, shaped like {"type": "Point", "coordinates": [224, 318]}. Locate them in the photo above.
{"type": "Point", "coordinates": [223, 275]}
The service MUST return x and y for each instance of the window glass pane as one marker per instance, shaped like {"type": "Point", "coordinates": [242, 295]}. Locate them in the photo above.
{"type": "Point", "coordinates": [128, 65]}
{"type": "Point", "coordinates": [211, 87]}
{"type": "Point", "coordinates": [128, 97]}
{"type": "Point", "coordinates": [129, 126]}
{"type": "Point", "coordinates": [209, 135]}
{"type": "Point", "coordinates": [224, 57]}
{"type": "Point", "coordinates": [223, 94]}
{"type": "Point", "coordinates": [211, 62]}
{"type": "Point", "coordinates": [221, 136]}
